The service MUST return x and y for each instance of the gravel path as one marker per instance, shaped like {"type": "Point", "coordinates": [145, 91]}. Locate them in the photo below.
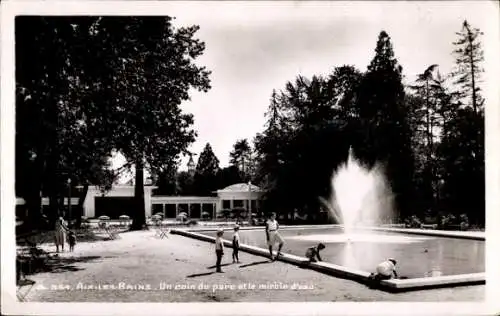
{"type": "Point", "coordinates": [179, 269]}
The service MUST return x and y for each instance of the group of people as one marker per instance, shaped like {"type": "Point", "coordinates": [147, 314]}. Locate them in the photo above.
{"type": "Point", "coordinates": [60, 231]}
{"type": "Point", "coordinates": [384, 270]}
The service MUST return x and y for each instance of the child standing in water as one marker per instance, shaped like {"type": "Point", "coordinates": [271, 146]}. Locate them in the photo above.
{"type": "Point", "coordinates": [219, 249]}
{"type": "Point", "coordinates": [236, 244]}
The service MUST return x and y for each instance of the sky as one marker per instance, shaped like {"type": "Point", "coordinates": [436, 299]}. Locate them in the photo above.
{"type": "Point", "coordinates": [253, 48]}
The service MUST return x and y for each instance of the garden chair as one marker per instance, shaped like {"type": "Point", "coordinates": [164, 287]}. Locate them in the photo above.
{"type": "Point", "coordinates": [161, 230]}
{"type": "Point", "coordinates": [105, 228]}
{"type": "Point", "coordinates": [24, 286]}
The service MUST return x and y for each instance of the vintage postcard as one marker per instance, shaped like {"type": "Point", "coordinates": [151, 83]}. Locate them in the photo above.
{"type": "Point", "coordinates": [250, 158]}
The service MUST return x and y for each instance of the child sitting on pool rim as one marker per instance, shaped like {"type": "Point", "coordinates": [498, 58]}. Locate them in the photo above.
{"type": "Point", "coordinates": [385, 270]}
{"type": "Point", "coordinates": [236, 244]}
{"type": "Point", "coordinates": [313, 252]}
{"type": "Point", "coordinates": [219, 249]}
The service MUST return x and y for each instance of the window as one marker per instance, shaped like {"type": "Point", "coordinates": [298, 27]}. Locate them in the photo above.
{"type": "Point", "coordinates": [157, 208]}
{"type": "Point", "coordinates": [170, 211]}
{"type": "Point", "coordinates": [238, 203]}
{"type": "Point", "coordinates": [195, 211]}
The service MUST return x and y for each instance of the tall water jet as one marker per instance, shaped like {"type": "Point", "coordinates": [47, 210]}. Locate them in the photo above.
{"type": "Point", "coordinates": [360, 196]}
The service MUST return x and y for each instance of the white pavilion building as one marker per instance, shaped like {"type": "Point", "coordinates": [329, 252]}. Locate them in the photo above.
{"type": "Point", "coordinates": [119, 201]}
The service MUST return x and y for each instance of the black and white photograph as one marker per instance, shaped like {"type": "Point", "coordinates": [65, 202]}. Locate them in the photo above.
{"type": "Point", "coordinates": [262, 152]}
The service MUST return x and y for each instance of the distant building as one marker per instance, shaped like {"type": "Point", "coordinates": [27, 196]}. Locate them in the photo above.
{"type": "Point", "coordinates": [119, 201]}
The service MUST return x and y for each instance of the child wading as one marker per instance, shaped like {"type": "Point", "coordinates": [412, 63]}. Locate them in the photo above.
{"type": "Point", "coordinates": [72, 240]}
{"type": "Point", "coordinates": [236, 244]}
{"type": "Point", "coordinates": [313, 252]}
{"type": "Point", "coordinates": [219, 249]}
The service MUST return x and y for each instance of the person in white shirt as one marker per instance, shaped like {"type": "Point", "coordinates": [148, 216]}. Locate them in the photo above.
{"type": "Point", "coordinates": [385, 270]}
{"type": "Point", "coordinates": [273, 236]}
{"type": "Point", "coordinates": [236, 244]}
{"type": "Point", "coordinates": [219, 249]}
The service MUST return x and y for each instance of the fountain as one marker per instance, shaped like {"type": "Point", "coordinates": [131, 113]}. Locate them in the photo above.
{"type": "Point", "coordinates": [360, 197]}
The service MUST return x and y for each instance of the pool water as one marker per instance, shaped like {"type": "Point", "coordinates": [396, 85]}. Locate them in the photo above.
{"type": "Point", "coordinates": [416, 255]}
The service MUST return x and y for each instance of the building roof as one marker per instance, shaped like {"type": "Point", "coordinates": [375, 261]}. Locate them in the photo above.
{"type": "Point", "coordinates": [240, 187]}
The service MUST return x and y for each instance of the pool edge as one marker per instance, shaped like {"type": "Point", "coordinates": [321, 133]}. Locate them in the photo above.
{"type": "Point", "coordinates": [410, 231]}
{"type": "Point", "coordinates": [395, 285]}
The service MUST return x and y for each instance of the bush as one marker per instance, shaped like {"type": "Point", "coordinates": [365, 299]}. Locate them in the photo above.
{"type": "Point", "coordinates": [450, 221]}
{"type": "Point", "coordinates": [413, 222]}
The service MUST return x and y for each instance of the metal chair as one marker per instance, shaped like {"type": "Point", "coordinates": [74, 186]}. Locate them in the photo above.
{"type": "Point", "coordinates": [24, 283]}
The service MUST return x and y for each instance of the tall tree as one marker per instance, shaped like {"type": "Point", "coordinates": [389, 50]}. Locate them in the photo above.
{"type": "Point", "coordinates": [294, 151]}
{"type": "Point", "coordinates": [166, 181]}
{"type": "Point", "coordinates": [424, 87]}
{"type": "Point", "coordinates": [241, 157]}
{"type": "Point", "coordinates": [153, 65]}
{"type": "Point", "coordinates": [270, 142]}
{"type": "Point", "coordinates": [59, 131]}
{"type": "Point", "coordinates": [462, 145]}
{"type": "Point", "coordinates": [228, 176]}
{"type": "Point", "coordinates": [464, 185]}
{"type": "Point", "coordinates": [469, 56]}
{"type": "Point", "coordinates": [343, 85]}
{"type": "Point", "coordinates": [425, 126]}
{"type": "Point", "coordinates": [384, 133]}
{"type": "Point", "coordinates": [185, 183]}
{"type": "Point", "coordinates": [207, 168]}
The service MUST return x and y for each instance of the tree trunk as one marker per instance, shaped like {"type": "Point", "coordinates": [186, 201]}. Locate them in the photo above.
{"type": "Point", "coordinates": [81, 200]}
{"type": "Point", "coordinates": [34, 199]}
{"type": "Point", "coordinates": [52, 188]}
{"type": "Point", "coordinates": [54, 211]}
{"type": "Point", "coordinates": [139, 219]}
{"type": "Point", "coordinates": [473, 83]}
{"type": "Point", "coordinates": [34, 206]}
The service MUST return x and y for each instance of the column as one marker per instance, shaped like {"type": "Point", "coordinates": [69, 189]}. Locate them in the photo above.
{"type": "Point", "coordinates": [231, 204]}
{"type": "Point", "coordinates": [163, 209]}
{"type": "Point", "coordinates": [176, 210]}
{"type": "Point", "coordinates": [214, 211]}
{"type": "Point", "coordinates": [189, 210]}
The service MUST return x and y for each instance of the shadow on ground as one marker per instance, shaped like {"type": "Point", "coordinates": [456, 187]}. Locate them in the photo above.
{"type": "Point", "coordinates": [49, 262]}
{"type": "Point", "coordinates": [199, 274]}
{"type": "Point", "coordinates": [222, 265]}
{"type": "Point", "coordinates": [255, 263]}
